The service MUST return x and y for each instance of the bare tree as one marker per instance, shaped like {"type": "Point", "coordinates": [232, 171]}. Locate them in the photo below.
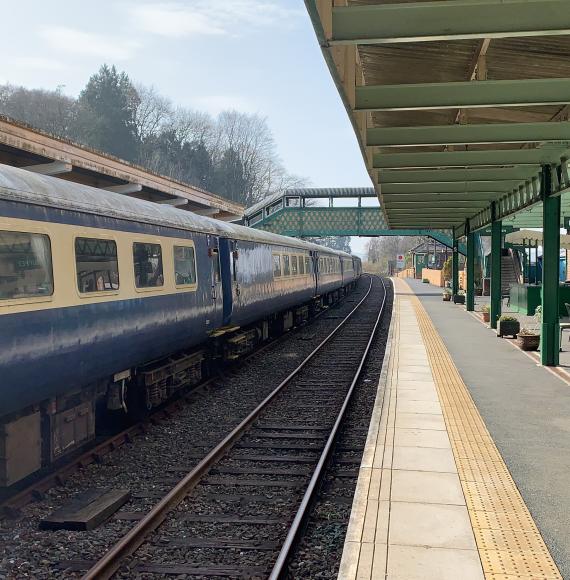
{"type": "Point", "coordinates": [385, 248]}
{"type": "Point", "coordinates": [234, 155]}
{"type": "Point", "coordinates": [152, 114]}
{"type": "Point", "coordinates": [50, 111]}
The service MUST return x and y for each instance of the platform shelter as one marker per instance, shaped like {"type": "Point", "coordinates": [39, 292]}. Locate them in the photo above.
{"type": "Point", "coordinates": [460, 109]}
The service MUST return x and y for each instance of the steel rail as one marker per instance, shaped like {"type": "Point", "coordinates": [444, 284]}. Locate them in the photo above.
{"type": "Point", "coordinates": [290, 542]}
{"type": "Point", "coordinates": [12, 504]}
{"type": "Point", "coordinates": [112, 560]}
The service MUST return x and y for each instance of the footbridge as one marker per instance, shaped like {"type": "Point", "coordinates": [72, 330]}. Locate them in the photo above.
{"type": "Point", "coordinates": [321, 212]}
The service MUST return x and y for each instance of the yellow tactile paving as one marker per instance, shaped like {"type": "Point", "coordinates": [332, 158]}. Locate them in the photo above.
{"type": "Point", "coordinates": [508, 541]}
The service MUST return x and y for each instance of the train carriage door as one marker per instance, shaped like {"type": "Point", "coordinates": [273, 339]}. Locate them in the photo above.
{"type": "Point", "coordinates": [315, 263]}
{"type": "Point", "coordinates": [216, 277]}
{"type": "Point", "coordinates": [227, 276]}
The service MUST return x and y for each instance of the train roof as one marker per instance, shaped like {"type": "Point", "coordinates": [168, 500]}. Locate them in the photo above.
{"type": "Point", "coordinates": [32, 188]}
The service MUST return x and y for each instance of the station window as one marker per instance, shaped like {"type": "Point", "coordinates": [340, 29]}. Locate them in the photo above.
{"type": "Point", "coordinates": [25, 265]}
{"type": "Point", "coordinates": [184, 265]}
{"type": "Point", "coordinates": [294, 265]}
{"type": "Point", "coordinates": [97, 265]}
{"type": "Point", "coordinates": [276, 266]}
{"type": "Point", "coordinates": [286, 268]}
{"type": "Point", "coordinates": [147, 260]}
{"type": "Point", "coordinates": [301, 266]}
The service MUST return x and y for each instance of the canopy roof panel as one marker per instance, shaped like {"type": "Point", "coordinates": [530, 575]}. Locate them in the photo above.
{"type": "Point", "coordinates": [460, 106]}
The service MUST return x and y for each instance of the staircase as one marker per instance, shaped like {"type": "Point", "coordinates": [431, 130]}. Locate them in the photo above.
{"type": "Point", "coordinates": [509, 274]}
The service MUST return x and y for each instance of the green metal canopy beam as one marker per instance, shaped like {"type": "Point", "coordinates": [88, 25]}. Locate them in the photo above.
{"type": "Point", "coordinates": [509, 93]}
{"type": "Point", "coordinates": [469, 134]}
{"type": "Point", "coordinates": [439, 198]}
{"type": "Point", "coordinates": [411, 224]}
{"type": "Point", "coordinates": [498, 157]}
{"type": "Point", "coordinates": [454, 175]}
{"type": "Point", "coordinates": [450, 187]}
{"type": "Point", "coordinates": [466, 205]}
{"type": "Point", "coordinates": [432, 21]}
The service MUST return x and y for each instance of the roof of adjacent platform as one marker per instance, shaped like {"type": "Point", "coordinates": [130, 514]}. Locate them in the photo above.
{"type": "Point", "coordinates": [26, 147]}
{"type": "Point", "coordinates": [456, 104]}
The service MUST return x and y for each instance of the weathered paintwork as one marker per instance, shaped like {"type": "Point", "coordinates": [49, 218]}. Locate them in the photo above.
{"type": "Point", "coordinates": [54, 348]}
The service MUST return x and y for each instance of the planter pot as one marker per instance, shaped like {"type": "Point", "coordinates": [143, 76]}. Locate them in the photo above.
{"type": "Point", "coordinates": [486, 316]}
{"type": "Point", "coordinates": [528, 341]}
{"type": "Point", "coordinates": [447, 297]}
{"type": "Point", "coordinates": [508, 328]}
{"type": "Point", "coordinates": [459, 298]}
{"type": "Point", "coordinates": [478, 291]}
{"type": "Point", "coordinates": [425, 281]}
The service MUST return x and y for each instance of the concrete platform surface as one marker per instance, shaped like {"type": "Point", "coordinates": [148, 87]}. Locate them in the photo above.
{"type": "Point", "coordinates": [526, 409]}
{"type": "Point", "coordinates": [434, 499]}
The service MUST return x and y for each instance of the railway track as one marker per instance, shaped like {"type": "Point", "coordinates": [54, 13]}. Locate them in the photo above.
{"type": "Point", "coordinates": [239, 511]}
{"type": "Point", "coordinates": [12, 503]}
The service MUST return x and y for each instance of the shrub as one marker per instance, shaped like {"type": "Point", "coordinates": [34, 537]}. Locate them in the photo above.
{"type": "Point", "coordinates": [508, 318]}
{"type": "Point", "coordinates": [527, 332]}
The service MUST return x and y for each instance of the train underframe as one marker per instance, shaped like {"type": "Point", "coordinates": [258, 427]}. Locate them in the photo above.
{"type": "Point", "coordinates": [45, 433]}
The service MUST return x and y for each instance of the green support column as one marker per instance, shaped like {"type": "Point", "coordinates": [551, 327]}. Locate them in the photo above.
{"type": "Point", "coordinates": [496, 233]}
{"type": "Point", "coordinates": [455, 267]}
{"type": "Point", "coordinates": [470, 272]}
{"type": "Point", "coordinates": [549, 340]}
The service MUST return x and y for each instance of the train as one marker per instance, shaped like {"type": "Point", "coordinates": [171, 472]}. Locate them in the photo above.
{"type": "Point", "coordinates": [110, 304]}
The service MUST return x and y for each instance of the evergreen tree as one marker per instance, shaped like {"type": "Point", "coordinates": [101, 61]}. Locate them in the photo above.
{"type": "Point", "coordinates": [199, 164]}
{"type": "Point", "coordinates": [229, 179]}
{"type": "Point", "coordinates": [106, 119]}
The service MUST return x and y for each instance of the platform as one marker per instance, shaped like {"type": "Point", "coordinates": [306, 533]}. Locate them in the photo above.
{"type": "Point", "coordinates": [435, 498]}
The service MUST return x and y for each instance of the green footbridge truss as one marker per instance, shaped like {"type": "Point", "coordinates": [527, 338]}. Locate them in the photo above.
{"type": "Point", "coordinates": [321, 212]}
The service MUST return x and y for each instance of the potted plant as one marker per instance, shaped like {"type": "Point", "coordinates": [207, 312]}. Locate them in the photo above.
{"type": "Point", "coordinates": [486, 313]}
{"type": "Point", "coordinates": [446, 295]}
{"type": "Point", "coordinates": [528, 339]}
{"type": "Point", "coordinates": [425, 281]}
{"type": "Point", "coordinates": [459, 298]}
{"type": "Point", "coordinates": [508, 326]}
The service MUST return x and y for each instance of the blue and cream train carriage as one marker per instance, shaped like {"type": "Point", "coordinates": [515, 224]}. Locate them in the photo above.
{"type": "Point", "coordinates": [110, 303]}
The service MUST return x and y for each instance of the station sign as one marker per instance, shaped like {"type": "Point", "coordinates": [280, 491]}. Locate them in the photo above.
{"type": "Point", "coordinates": [400, 261]}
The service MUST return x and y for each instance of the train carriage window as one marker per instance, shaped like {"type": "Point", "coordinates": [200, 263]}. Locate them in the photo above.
{"type": "Point", "coordinates": [307, 264]}
{"type": "Point", "coordinates": [294, 265]}
{"type": "Point", "coordinates": [276, 266]}
{"type": "Point", "coordinates": [148, 265]}
{"type": "Point", "coordinates": [97, 265]}
{"type": "Point", "coordinates": [184, 266]}
{"type": "Point", "coordinates": [286, 268]}
{"type": "Point", "coordinates": [301, 266]}
{"type": "Point", "coordinates": [25, 265]}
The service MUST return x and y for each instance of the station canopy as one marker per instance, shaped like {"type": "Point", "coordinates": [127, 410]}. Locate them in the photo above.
{"type": "Point", "coordinates": [523, 237]}
{"type": "Point", "coordinates": [460, 107]}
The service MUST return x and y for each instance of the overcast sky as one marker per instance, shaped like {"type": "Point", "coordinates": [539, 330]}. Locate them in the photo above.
{"type": "Point", "coordinates": [258, 56]}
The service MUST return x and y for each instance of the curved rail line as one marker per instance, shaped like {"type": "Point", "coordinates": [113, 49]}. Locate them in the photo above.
{"type": "Point", "coordinates": [11, 505]}
{"type": "Point", "coordinates": [114, 558]}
